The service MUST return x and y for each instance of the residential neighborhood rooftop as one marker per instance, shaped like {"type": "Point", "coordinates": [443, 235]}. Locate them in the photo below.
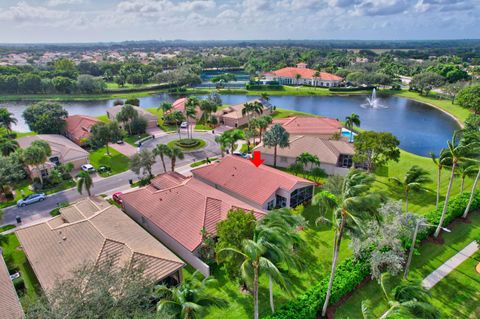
{"type": "Point", "coordinates": [184, 209]}
{"type": "Point", "coordinates": [10, 307]}
{"type": "Point", "coordinates": [241, 177]}
{"type": "Point", "coordinates": [302, 125]}
{"type": "Point", "coordinates": [91, 231]}
{"type": "Point", "coordinates": [77, 127]}
{"type": "Point", "coordinates": [291, 72]}
{"type": "Point", "coordinates": [60, 145]}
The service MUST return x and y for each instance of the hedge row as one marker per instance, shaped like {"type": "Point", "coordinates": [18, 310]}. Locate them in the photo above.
{"type": "Point", "coordinates": [351, 89]}
{"type": "Point", "coordinates": [266, 87]}
{"type": "Point", "coordinates": [351, 272]}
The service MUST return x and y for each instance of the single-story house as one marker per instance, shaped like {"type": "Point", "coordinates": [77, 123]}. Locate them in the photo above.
{"type": "Point", "coordinates": [323, 127]}
{"type": "Point", "coordinates": [152, 119]}
{"type": "Point", "coordinates": [175, 209]}
{"type": "Point", "coordinates": [335, 155]}
{"type": "Point", "coordinates": [93, 231]}
{"type": "Point", "coordinates": [181, 105]}
{"type": "Point", "coordinates": [232, 115]}
{"type": "Point", "coordinates": [10, 307]}
{"type": "Point", "coordinates": [63, 151]}
{"type": "Point", "coordinates": [262, 187]}
{"type": "Point", "coordinates": [79, 127]}
{"type": "Point", "coordinates": [301, 75]}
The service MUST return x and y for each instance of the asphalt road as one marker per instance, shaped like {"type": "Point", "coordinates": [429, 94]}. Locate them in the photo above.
{"type": "Point", "coordinates": [109, 185]}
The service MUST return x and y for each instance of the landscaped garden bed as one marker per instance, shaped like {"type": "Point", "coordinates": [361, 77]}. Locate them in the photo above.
{"type": "Point", "coordinates": [116, 161]}
{"type": "Point", "coordinates": [188, 144]}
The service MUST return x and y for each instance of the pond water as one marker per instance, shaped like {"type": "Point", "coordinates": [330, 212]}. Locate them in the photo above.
{"type": "Point", "coordinates": [420, 128]}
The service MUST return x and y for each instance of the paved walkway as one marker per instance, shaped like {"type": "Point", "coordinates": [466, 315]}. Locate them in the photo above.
{"type": "Point", "coordinates": [448, 266]}
{"type": "Point", "coordinates": [125, 148]}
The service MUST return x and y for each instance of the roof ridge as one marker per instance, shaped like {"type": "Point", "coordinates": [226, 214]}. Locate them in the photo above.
{"type": "Point", "coordinates": [159, 258]}
{"type": "Point", "coordinates": [290, 119]}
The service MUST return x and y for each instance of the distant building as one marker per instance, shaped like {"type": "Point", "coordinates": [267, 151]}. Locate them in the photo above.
{"type": "Point", "coordinates": [152, 120]}
{"type": "Point", "coordinates": [175, 209]}
{"type": "Point", "coordinates": [301, 75]}
{"type": "Point", "coordinates": [92, 231]}
{"type": "Point", "coordinates": [63, 151]}
{"type": "Point", "coordinates": [263, 187]}
{"type": "Point", "coordinates": [232, 115]}
{"type": "Point", "coordinates": [10, 307]}
{"type": "Point", "coordinates": [78, 128]}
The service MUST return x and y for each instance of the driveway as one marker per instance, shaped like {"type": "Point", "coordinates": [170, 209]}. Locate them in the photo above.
{"type": "Point", "coordinates": [125, 148]}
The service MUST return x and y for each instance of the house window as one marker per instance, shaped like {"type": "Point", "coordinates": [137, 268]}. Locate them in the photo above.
{"type": "Point", "coordinates": [283, 159]}
{"type": "Point", "coordinates": [281, 201]}
{"type": "Point", "coordinates": [300, 196]}
{"type": "Point", "coordinates": [44, 172]}
{"type": "Point", "coordinates": [271, 205]}
{"type": "Point", "coordinates": [345, 160]}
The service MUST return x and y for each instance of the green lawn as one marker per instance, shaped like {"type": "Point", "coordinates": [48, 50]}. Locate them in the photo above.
{"type": "Point", "coordinates": [117, 162]}
{"type": "Point", "coordinates": [103, 118]}
{"type": "Point", "coordinates": [201, 144]}
{"type": "Point", "coordinates": [282, 113]}
{"type": "Point", "coordinates": [17, 261]}
{"type": "Point", "coordinates": [132, 139]}
{"type": "Point", "coordinates": [195, 164]}
{"type": "Point", "coordinates": [462, 302]}
{"type": "Point", "coordinates": [316, 260]}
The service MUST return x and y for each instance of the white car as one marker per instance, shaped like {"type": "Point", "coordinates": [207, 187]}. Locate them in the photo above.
{"type": "Point", "coordinates": [184, 125]}
{"type": "Point", "coordinates": [87, 168]}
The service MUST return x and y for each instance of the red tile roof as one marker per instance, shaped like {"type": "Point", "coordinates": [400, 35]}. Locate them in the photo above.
{"type": "Point", "coordinates": [291, 72]}
{"type": "Point", "coordinates": [241, 177]}
{"type": "Point", "coordinates": [183, 210]}
{"type": "Point", "coordinates": [78, 126]}
{"type": "Point", "coordinates": [179, 104]}
{"type": "Point", "coordinates": [309, 125]}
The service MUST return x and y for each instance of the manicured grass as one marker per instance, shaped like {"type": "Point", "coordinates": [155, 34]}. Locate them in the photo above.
{"type": "Point", "coordinates": [78, 97]}
{"type": "Point", "coordinates": [282, 113]}
{"type": "Point", "coordinates": [6, 227]}
{"type": "Point", "coordinates": [103, 118]}
{"type": "Point", "coordinates": [202, 127]}
{"type": "Point", "coordinates": [161, 123]}
{"type": "Point", "coordinates": [283, 90]}
{"type": "Point", "coordinates": [201, 144]}
{"type": "Point", "coordinates": [195, 164]}
{"type": "Point", "coordinates": [316, 260]}
{"type": "Point", "coordinates": [17, 261]}
{"type": "Point", "coordinates": [458, 292]}
{"type": "Point", "coordinates": [116, 161]}
{"type": "Point", "coordinates": [22, 134]}
{"type": "Point", "coordinates": [447, 105]}
{"type": "Point", "coordinates": [132, 139]}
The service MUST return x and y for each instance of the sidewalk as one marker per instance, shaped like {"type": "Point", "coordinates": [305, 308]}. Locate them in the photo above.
{"type": "Point", "coordinates": [450, 265]}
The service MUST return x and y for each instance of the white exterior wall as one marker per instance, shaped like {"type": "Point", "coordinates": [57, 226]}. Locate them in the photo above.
{"type": "Point", "coordinates": [283, 161]}
{"type": "Point", "coordinates": [303, 81]}
{"type": "Point", "coordinates": [168, 241]}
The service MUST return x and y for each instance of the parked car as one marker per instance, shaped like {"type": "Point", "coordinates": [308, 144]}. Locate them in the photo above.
{"type": "Point", "coordinates": [88, 168]}
{"type": "Point", "coordinates": [184, 125]}
{"type": "Point", "coordinates": [117, 197]}
{"type": "Point", "coordinates": [120, 142]}
{"type": "Point", "coordinates": [240, 154]}
{"type": "Point", "coordinates": [31, 199]}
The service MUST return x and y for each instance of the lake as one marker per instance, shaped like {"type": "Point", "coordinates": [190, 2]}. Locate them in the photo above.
{"type": "Point", "coordinates": [420, 128]}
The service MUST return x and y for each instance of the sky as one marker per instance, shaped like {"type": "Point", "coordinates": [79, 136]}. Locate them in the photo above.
{"type": "Point", "coordinates": [39, 21]}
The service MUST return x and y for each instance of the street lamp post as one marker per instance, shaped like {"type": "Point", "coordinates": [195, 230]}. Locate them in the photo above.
{"type": "Point", "coordinates": [412, 247]}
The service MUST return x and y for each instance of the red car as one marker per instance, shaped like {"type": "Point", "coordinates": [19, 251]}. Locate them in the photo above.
{"type": "Point", "coordinates": [117, 197]}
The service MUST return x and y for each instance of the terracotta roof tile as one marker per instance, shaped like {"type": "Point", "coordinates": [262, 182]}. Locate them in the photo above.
{"type": "Point", "coordinates": [241, 177]}
{"type": "Point", "coordinates": [78, 126]}
{"type": "Point", "coordinates": [309, 125]}
{"type": "Point", "coordinates": [291, 72]}
{"type": "Point", "coordinates": [183, 210]}
{"type": "Point", "coordinates": [10, 307]}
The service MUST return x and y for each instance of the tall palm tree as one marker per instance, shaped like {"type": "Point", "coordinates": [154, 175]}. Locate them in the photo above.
{"type": "Point", "coordinates": [413, 180]}
{"type": "Point", "coordinates": [224, 141]}
{"type": "Point", "coordinates": [175, 153]}
{"type": "Point", "coordinates": [165, 107]}
{"type": "Point", "coordinates": [254, 254]}
{"type": "Point", "coordinates": [464, 170]}
{"type": "Point", "coordinates": [7, 119]}
{"type": "Point", "coordinates": [162, 150]}
{"type": "Point", "coordinates": [297, 78]}
{"type": "Point", "coordinates": [191, 114]}
{"type": "Point", "coordinates": [189, 300]}
{"type": "Point", "coordinates": [456, 152]}
{"type": "Point", "coordinates": [439, 162]}
{"type": "Point", "coordinates": [126, 115]}
{"type": "Point", "coordinates": [472, 194]}
{"type": "Point", "coordinates": [262, 124]}
{"type": "Point", "coordinates": [280, 228]}
{"type": "Point", "coordinates": [208, 107]}
{"type": "Point", "coordinates": [355, 203]}
{"type": "Point", "coordinates": [350, 121]}
{"type": "Point", "coordinates": [84, 180]}
{"type": "Point", "coordinates": [36, 156]}
{"type": "Point", "coordinates": [276, 137]}
{"type": "Point", "coordinates": [305, 158]}
{"type": "Point", "coordinates": [7, 146]}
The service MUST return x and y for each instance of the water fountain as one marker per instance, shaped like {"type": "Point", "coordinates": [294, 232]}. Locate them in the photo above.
{"type": "Point", "coordinates": [372, 101]}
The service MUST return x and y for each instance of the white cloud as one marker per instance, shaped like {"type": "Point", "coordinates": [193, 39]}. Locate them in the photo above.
{"type": "Point", "coordinates": [54, 3]}
{"type": "Point", "coordinates": [23, 12]}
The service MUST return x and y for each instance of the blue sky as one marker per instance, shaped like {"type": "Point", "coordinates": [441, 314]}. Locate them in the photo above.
{"type": "Point", "coordinates": [118, 20]}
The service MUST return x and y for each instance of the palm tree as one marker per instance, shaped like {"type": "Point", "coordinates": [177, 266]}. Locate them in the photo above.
{"type": "Point", "coordinates": [165, 107]}
{"type": "Point", "coordinates": [224, 141]}
{"type": "Point", "coordinates": [305, 158]}
{"type": "Point", "coordinates": [254, 254]}
{"type": "Point", "coordinates": [7, 119]}
{"type": "Point", "coordinates": [262, 124]}
{"type": "Point", "coordinates": [191, 113]}
{"type": "Point", "coordinates": [126, 115]}
{"type": "Point", "coordinates": [440, 164]}
{"type": "Point", "coordinates": [162, 150]}
{"type": "Point", "coordinates": [472, 194]}
{"type": "Point", "coordinates": [455, 153]}
{"type": "Point", "coordinates": [189, 300]}
{"type": "Point", "coordinates": [467, 169]}
{"type": "Point", "coordinates": [208, 107]}
{"type": "Point", "coordinates": [355, 203]}
{"type": "Point", "coordinates": [408, 300]}
{"type": "Point", "coordinates": [350, 121]}
{"type": "Point", "coordinates": [276, 137]}
{"type": "Point", "coordinates": [279, 227]}
{"type": "Point", "coordinates": [7, 146]}
{"type": "Point", "coordinates": [252, 108]}
{"type": "Point", "coordinates": [175, 153]}
{"type": "Point", "coordinates": [84, 180]}
{"type": "Point", "coordinates": [36, 156]}
{"type": "Point", "coordinates": [413, 181]}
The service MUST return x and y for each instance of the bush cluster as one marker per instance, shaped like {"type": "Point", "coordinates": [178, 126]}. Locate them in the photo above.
{"type": "Point", "coordinates": [351, 272]}
{"type": "Point", "coordinates": [188, 143]}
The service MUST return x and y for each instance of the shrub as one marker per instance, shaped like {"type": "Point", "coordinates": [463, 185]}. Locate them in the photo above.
{"type": "Point", "coordinates": [139, 125]}
{"type": "Point", "coordinates": [19, 285]}
{"type": "Point", "coordinates": [351, 89]}
{"type": "Point", "coordinates": [350, 273]}
{"type": "Point", "coordinates": [188, 143]}
{"type": "Point", "coordinates": [133, 101]}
